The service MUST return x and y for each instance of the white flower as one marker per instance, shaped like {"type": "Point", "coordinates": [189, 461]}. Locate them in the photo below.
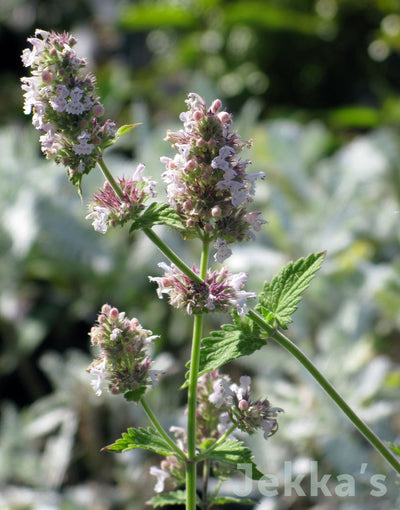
{"type": "Point", "coordinates": [75, 107]}
{"type": "Point", "coordinates": [153, 374]}
{"type": "Point", "coordinates": [221, 391]}
{"type": "Point", "coordinates": [161, 476]}
{"type": "Point", "coordinates": [251, 180]}
{"type": "Point", "coordinates": [254, 220]}
{"type": "Point", "coordinates": [236, 281]}
{"type": "Point", "coordinates": [224, 424]}
{"type": "Point", "coordinates": [83, 147]}
{"type": "Point", "coordinates": [100, 217]}
{"type": "Point", "coordinates": [223, 252]}
{"type": "Point", "coordinates": [99, 372]}
{"type": "Point", "coordinates": [115, 333]}
{"type": "Point", "coordinates": [220, 161]}
{"type": "Point", "coordinates": [267, 426]}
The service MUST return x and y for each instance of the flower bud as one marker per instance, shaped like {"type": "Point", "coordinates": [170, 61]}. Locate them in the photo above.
{"type": "Point", "coordinates": [197, 115]}
{"type": "Point", "coordinates": [216, 105]}
{"type": "Point", "coordinates": [224, 117]}
{"type": "Point", "coordinates": [243, 405]}
{"type": "Point", "coordinates": [216, 211]}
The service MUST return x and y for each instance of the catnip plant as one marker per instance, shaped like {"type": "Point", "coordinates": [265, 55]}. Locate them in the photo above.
{"type": "Point", "coordinates": [210, 194]}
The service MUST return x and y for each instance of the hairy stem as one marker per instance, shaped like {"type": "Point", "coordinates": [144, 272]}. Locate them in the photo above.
{"type": "Point", "coordinates": [192, 395]}
{"type": "Point", "coordinates": [107, 174]}
{"type": "Point", "coordinates": [171, 255]}
{"type": "Point", "coordinates": [287, 344]}
{"type": "Point", "coordinates": [160, 430]}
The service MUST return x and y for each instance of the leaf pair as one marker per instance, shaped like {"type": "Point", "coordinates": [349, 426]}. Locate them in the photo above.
{"type": "Point", "coordinates": [229, 452]}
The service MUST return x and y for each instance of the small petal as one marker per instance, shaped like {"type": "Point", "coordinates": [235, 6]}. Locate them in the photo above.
{"type": "Point", "coordinates": [100, 217]}
{"type": "Point", "coordinates": [161, 476]}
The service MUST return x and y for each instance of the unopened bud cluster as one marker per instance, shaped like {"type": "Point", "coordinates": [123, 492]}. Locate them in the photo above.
{"type": "Point", "coordinates": [207, 181]}
{"type": "Point", "coordinates": [64, 103]}
{"type": "Point", "coordinates": [123, 362]}
{"type": "Point", "coordinates": [110, 209]}
{"type": "Point", "coordinates": [220, 291]}
{"type": "Point", "coordinates": [246, 414]}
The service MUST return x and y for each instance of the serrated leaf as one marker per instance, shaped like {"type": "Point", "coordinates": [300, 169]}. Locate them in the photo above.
{"type": "Point", "coordinates": [169, 498]}
{"type": "Point", "coordinates": [120, 132]}
{"type": "Point", "coordinates": [158, 213]}
{"type": "Point", "coordinates": [146, 439]}
{"type": "Point", "coordinates": [234, 453]}
{"type": "Point", "coordinates": [281, 296]}
{"type": "Point", "coordinates": [230, 342]}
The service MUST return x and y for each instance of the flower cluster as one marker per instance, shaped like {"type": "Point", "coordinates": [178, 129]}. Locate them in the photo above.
{"type": "Point", "coordinates": [123, 361]}
{"type": "Point", "coordinates": [109, 209]}
{"type": "Point", "coordinates": [207, 182]}
{"type": "Point", "coordinates": [246, 414]}
{"type": "Point", "coordinates": [220, 291]}
{"type": "Point", "coordinates": [210, 419]}
{"type": "Point", "coordinates": [170, 474]}
{"type": "Point", "coordinates": [64, 104]}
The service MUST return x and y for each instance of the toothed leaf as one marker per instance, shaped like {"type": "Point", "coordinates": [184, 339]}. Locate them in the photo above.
{"type": "Point", "coordinates": [234, 453]}
{"type": "Point", "coordinates": [230, 342]}
{"type": "Point", "coordinates": [146, 439]}
{"type": "Point", "coordinates": [169, 498]}
{"type": "Point", "coordinates": [157, 214]}
{"type": "Point", "coordinates": [280, 298]}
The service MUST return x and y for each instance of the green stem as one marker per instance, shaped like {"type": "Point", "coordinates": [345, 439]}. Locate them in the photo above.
{"type": "Point", "coordinates": [110, 178]}
{"type": "Point", "coordinates": [172, 256]}
{"type": "Point", "coordinates": [287, 344]}
{"type": "Point", "coordinates": [160, 430]}
{"type": "Point", "coordinates": [192, 395]}
{"type": "Point", "coordinates": [206, 474]}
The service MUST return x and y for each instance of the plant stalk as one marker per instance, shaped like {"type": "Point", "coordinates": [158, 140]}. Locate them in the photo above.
{"type": "Point", "coordinates": [287, 344]}
{"type": "Point", "coordinates": [110, 178]}
{"type": "Point", "coordinates": [171, 255]}
{"type": "Point", "coordinates": [160, 430]}
{"type": "Point", "coordinates": [192, 395]}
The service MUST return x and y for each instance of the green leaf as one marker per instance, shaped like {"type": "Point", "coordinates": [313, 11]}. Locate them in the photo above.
{"type": "Point", "coordinates": [135, 395]}
{"type": "Point", "coordinates": [230, 342]}
{"type": "Point", "coordinates": [280, 297]}
{"type": "Point", "coordinates": [228, 500]}
{"type": "Point", "coordinates": [234, 453]}
{"type": "Point", "coordinates": [147, 439]}
{"type": "Point", "coordinates": [169, 498]}
{"type": "Point", "coordinates": [395, 448]}
{"type": "Point", "coordinates": [120, 132]}
{"type": "Point", "coordinates": [157, 213]}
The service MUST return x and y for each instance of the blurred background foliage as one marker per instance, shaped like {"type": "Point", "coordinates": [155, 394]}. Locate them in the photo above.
{"type": "Point", "coordinates": [316, 85]}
